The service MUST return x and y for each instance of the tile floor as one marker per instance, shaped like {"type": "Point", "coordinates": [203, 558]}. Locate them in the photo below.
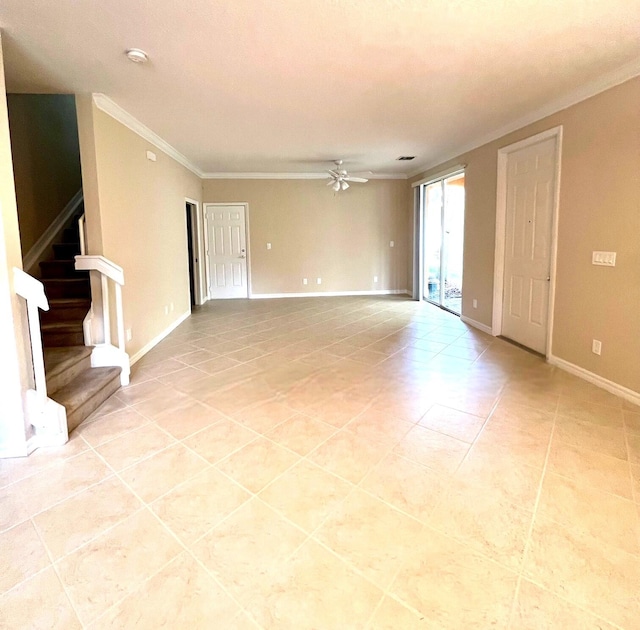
{"type": "Point", "coordinates": [331, 463]}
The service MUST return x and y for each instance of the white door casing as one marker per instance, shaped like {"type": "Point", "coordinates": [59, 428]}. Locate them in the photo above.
{"type": "Point", "coordinates": [226, 251]}
{"type": "Point", "coordinates": [526, 240]}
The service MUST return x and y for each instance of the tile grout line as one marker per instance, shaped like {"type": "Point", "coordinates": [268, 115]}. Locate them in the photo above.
{"type": "Point", "coordinates": [65, 590]}
{"type": "Point", "coordinates": [534, 516]}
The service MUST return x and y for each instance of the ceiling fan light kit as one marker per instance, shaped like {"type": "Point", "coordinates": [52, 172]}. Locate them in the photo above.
{"type": "Point", "coordinates": [339, 178]}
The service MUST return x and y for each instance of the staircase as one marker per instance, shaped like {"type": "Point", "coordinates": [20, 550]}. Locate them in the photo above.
{"type": "Point", "coordinates": [71, 381]}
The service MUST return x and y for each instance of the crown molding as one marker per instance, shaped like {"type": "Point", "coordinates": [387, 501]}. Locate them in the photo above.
{"type": "Point", "coordinates": [601, 84]}
{"type": "Point", "coordinates": [294, 176]}
{"type": "Point", "coordinates": [109, 107]}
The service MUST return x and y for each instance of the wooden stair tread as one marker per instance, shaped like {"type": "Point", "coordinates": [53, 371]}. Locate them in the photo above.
{"type": "Point", "coordinates": [60, 326]}
{"type": "Point", "coordinates": [57, 360]}
{"type": "Point", "coordinates": [83, 394]}
{"type": "Point", "coordinates": [69, 302]}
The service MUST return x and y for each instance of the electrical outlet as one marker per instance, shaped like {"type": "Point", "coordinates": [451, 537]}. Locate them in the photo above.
{"type": "Point", "coordinates": [305, 281]}
{"type": "Point", "coordinates": [391, 244]}
{"type": "Point", "coordinates": [128, 334]}
{"type": "Point", "coordinates": [596, 347]}
{"type": "Point", "coordinates": [475, 303]}
{"type": "Point", "coordinates": [375, 278]}
{"type": "Point", "coordinates": [171, 307]}
{"type": "Point", "coordinates": [166, 310]}
{"type": "Point", "coordinates": [268, 245]}
{"type": "Point", "coordinates": [318, 280]}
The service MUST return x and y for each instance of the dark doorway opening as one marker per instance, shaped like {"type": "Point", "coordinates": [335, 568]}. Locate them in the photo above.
{"type": "Point", "coordinates": [193, 261]}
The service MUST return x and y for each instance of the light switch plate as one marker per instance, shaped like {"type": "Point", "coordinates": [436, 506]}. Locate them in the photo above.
{"type": "Point", "coordinates": [151, 156]}
{"type": "Point", "coordinates": [268, 245]}
{"type": "Point", "coordinates": [606, 259]}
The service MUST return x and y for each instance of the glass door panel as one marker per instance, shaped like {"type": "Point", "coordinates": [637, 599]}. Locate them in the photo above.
{"type": "Point", "coordinates": [443, 241]}
{"type": "Point", "coordinates": [453, 242]}
{"type": "Point", "coordinates": [432, 241]}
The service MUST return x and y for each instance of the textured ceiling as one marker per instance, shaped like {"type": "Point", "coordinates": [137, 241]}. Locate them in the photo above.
{"type": "Point", "coordinates": [287, 85]}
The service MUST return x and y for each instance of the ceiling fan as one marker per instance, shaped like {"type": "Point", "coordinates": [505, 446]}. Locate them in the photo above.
{"type": "Point", "coordinates": [339, 178]}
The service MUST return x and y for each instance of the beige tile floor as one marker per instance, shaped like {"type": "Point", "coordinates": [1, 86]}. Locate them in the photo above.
{"type": "Point", "coordinates": [331, 463]}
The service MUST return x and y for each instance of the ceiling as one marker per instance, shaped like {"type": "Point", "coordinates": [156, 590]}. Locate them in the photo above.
{"type": "Point", "coordinates": [289, 85]}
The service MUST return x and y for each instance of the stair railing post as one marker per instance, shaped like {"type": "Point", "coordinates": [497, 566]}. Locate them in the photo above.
{"type": "Point", "coordinates": [81, 233]}
{"type": "Point", "coordinates": [37, 353]}
{"type": "Point", "coordinates": [120, 317]}
{"type": "Point", "coordinates": [105, 308]}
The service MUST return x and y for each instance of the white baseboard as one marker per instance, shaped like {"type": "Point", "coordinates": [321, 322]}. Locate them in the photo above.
{"type": "Point", "coordinates": [30, 259]}
{"type": "Point", "coordinates": [156, 340]}
{"type": "Point", "coordinates": [479, 325]}
{"type": "Point", "coordinates": [263, 296]}
{"type": "Point", "coordinates": [600, 381]}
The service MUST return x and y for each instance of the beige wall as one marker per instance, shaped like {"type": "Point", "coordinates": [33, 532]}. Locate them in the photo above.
{"type": "Point", "coordinates": [46, 159]}
{"type": "Point", "coordinates": [342, 238]}
{"type": "Point", "coordinates": [599, 210]}
{"type": "Point", "coordinates": [142, 220]}
{"type": "Point", "coordinates": [16, 362]}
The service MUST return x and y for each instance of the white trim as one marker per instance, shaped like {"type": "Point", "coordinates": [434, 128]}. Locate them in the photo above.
{"type": "Point", "coordinates": [458, 168]}
{"type": "Point", "coordinates": [584, 92]}
{"type": "Point", "coordinates": [600, 381]}
{"type": "Point", "coordinates": [259, 175]}
{"type": "Point", "coordinates": [38, 248]}
{"type": "Point", "coordinates": [156, 340]}
{"type": "Point", "coordinates": [101, 264]}
{"type": "Point", "coordinates": [269, 296]}
{"type": "Point", "coordinates": [476, 324]}
{"type": "Point", "coordinates": [109, 107]}
{"type": "Point", "coordinates": [500, 240]}
{"type": "Point", "coordinates": [21, 450]}
{"type": "Point", "coordinates": [245, 205]}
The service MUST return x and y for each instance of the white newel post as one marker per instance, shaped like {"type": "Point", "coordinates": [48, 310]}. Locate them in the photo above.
{"type": "Point", "coordinates": [120, 317]}
{"type": "Point", "coordinates": [106, 317]}
{"type": "Point", "coordinates": [106, 354]}
{"type": "Point", "coordinates": [47, 417]}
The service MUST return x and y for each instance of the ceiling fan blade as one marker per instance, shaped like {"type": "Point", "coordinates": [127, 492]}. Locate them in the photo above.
{"type": "Point", "coordinates": [344, 185]}
{"type": "Point", "coordinates": [360, 180]}
{"type": "Point", "coordinates": [331, 182]}
{"type": "Point", "coordinates": [336, 186]}
{"type": "Point", "coordinates": [333, 173]}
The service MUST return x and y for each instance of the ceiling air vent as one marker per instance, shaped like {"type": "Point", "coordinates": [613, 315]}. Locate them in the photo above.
{"type": "Point", "coordinates": [406, 158]}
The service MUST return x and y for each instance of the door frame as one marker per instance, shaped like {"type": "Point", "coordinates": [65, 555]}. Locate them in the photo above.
{"type": "Point", "coordinates": [245, 205]}
{"type": "Point", "coordinates": [501, 226]}
{"type": "Point", "coordinates": [198, 241]}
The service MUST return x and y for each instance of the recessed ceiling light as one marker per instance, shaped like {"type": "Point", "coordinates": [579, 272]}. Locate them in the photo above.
{"type": "Point", "coordinates": [137, 56]}
{"type": "Point", "coordinates": [406, 157]}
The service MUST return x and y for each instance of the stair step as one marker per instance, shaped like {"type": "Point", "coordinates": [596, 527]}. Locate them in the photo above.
{"type": "Point", "coordinates": [70, 235]}
{"type": "Point", "coordinates": [67, 287]}
{"type": "Point", "coordinates": [66, 310]}
{"type": "Point", "coordinates": [85, 393]}
{"type": "Point", "coordinates": [63, 365]}
{"type": "Point", "coordinates": [65, 251]}
{"type": "Point", "coordinates": [57, 334]}
{"type": "Point", "coordinates": [61, 269]}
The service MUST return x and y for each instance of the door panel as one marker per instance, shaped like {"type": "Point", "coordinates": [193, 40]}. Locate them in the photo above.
{"type": "Point", "coordinates": [530, 198]}
{"type": "Point", "coordinates": [226, 254]}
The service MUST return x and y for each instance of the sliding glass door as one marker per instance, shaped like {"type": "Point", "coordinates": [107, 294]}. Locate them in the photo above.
{"type": "Point", "coordinates": [443, 241]}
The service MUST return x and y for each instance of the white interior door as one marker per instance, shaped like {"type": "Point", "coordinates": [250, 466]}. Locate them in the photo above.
{"type": "Point", "coordinates": [530, 201]}
{"type": "Point", "coordinates": [226, 251]}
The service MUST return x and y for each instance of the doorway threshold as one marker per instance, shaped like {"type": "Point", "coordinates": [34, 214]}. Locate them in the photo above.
{"type": "Point", "coordinates": [522, 347]}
